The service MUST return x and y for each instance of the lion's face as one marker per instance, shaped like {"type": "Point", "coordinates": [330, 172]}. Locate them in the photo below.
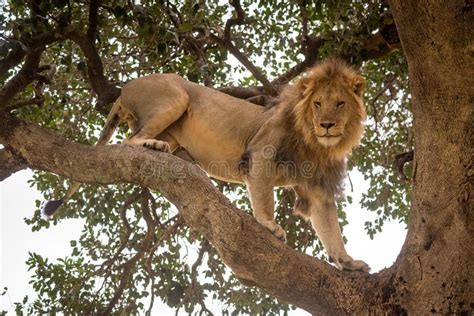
{"type": "Point", "coordinates": [332, 109]}
{"type": "Point", "coordinates": [327, 107]}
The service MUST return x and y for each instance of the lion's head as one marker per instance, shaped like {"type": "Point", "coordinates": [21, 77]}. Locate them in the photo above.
{"type": "Point", "coordinates": [327, 107]}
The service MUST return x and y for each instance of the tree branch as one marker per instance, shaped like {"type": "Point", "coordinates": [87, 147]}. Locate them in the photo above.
{"type": "Point", "coordinates": [23, 78]}
{"type": "Point", "coordinates": [28, 72]}
{"type": "Point", "coordinates": [313, 45]}
{"type": "Point", "coordinates": [377, 45]}
{"type": "Point", "coordinates": [226, 42]}
{"type": "Point", "coordinates": [106, 92]}
{"type": "Point", "coordinates": [93, 17]}
{"type": "Point", "coordinates": [401, 160]}
{"type": "Point", "coordinates": [10, 163]}
{"type": "Point", "coordinates": [267, 85]}
{"type": "Point", "coordinates": [250, 250]}
{"type": "Point", "coordinates": [239, 20]}
{"type": "Point", "coordinates": [13, 58]}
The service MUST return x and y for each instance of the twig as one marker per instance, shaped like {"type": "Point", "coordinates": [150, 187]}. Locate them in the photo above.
{"type": "Point", "coordinates": [166, 234]}
{"type": "Point", "coordinates": [128, 231]}
{"type": "Point", "coordinates": [226, 42]}
{"type": "Point", "coordinates": [304, 27]}
{"type": "Point", "coordinates": [129, 264]}
{"type": "Point", "coordinates": [192, 288]}
{"type": "Point", "coordinates": [387, 86]}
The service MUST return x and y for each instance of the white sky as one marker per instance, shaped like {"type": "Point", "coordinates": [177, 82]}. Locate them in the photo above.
{"type": "Point", "coordinates": [16, 239]}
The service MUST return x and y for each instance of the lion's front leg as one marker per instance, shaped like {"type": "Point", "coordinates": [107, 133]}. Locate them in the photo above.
{"type": "Point", "coordinates": [324, 219]}
{"type": "Point", "coordinates": [261, 199]}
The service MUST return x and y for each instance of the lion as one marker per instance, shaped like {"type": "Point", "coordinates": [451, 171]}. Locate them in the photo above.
{"type": "Point", "coordinates": [302, 142]}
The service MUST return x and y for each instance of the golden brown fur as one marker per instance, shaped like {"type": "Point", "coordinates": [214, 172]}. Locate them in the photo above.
{"type": "Point", "coordinates": [302, 142]}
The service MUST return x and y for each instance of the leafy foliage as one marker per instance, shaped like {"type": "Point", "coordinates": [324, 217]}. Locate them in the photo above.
{"type": "Point", "coordinates": [134, 246]}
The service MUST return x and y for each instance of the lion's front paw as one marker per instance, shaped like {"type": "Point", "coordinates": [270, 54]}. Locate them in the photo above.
{"type": "Point", "coordinates": [345, 262]}
{"type": "Point", "coordinates": [275, 229]}
{"type": "Point", "coordinates": [157, 145]}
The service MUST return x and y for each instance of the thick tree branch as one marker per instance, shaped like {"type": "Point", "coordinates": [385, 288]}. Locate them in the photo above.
{"type": "Point", "coordinates": [250, 250]}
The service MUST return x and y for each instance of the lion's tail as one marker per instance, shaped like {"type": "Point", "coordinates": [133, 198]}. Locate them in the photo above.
{"type": "Point", "coordinates": [111, 124]}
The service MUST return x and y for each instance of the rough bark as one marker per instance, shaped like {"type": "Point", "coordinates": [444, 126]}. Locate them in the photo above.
{"type": "Point", "coordinates": [435, 267]}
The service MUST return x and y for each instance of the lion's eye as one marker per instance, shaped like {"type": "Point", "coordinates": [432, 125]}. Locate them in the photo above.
{"type": "Point", "coordinates": [317, 104]}
{"type": "Point", "coordinates": [340, 104]}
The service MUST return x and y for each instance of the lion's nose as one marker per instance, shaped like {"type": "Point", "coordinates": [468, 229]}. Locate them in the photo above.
{"type": "Point", "coordinates": [327, 125]}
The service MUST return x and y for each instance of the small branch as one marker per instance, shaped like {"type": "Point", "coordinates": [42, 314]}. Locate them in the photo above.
{"type": "Point", "coordinates": [383, 42]}
{"type": "Point", "coordinates": [311, 56]}
{"type": "Point", "coordinates": [106, 92]}
{"type": "Point", "coordinates": [239, 20]}
{"type": "Point", "coordinates": [226, 42]}
{"type": "Point", "coordinates": [23, 78]}
{"type": "Point", "coordinates": [262, 100]}
{"type": "Point", "coordinates": [13, 58]}
{"type": "Point", "coordinates": [194, 273]}
{"type": "Point", "coordinates": [10, 163]}
{"type": "Point", "coordinates": [29, 70]}
{"type": "Point", "coordinates": [17, 54]}
{"type": "Point", "coordinates": [387, 86]}
{"type": "Point", "coordinates": [130, 264]}
{"type": "Point", "coordinates": [128, 231]}
{"type": "Point", "coordinates": [304, 27]}
{"type": "Point", "coordinates": [37, 100]}
{"type": "Point", "coordinates": [401, 160]}
{"type": "Point", "coordinates": [267, 85]}
{"type": "Point", "coordinates": [41, 80]}
{"type": "Point", "coordinates": [373, 46]}
{"type": "Point", "coordinates": [171, 230]}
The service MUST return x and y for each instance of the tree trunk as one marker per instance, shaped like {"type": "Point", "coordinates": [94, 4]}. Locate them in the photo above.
{"type": "Point", "coordinates": [433, 273]}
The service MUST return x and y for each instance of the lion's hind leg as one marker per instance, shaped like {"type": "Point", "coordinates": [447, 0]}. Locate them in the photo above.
{"type": "Point", "coordinates": [155, 115]}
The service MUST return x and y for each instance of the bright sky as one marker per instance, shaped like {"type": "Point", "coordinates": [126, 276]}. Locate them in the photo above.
{"type": "Point", "coordinates": [16, 239]}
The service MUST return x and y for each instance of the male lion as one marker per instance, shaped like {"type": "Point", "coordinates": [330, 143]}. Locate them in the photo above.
{"type": "Point", "coordinates": [302, 142]}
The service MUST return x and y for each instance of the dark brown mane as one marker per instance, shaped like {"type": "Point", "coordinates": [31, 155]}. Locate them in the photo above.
{"type": "Point", "coordinates": [312, 162]}
{"type": "Point", "coordinates": [300, 144]}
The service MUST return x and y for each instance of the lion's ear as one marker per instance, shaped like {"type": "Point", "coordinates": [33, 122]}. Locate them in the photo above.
{"type": "Point", "coordinates": [304, 85]}
{"type": "Point", "coordinates": [358, 85]}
